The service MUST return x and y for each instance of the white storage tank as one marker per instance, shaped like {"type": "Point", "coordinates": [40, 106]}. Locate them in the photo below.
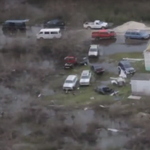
{"type": "Point", "coordinates": [147, 58]}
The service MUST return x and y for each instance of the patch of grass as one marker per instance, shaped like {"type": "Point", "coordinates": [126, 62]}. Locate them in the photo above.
{"type": "Point", "coordinates": [138, 65]}
{"type": "Point", "coordinates": [119, 56]}
{"type": "Point", "coordinates": [82, 96]}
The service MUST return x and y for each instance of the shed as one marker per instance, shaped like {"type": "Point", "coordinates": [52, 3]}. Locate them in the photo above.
{"type": "Point", "coordinates": [147, 58]}
{"type": "Point", "coordinates": [140, 84]}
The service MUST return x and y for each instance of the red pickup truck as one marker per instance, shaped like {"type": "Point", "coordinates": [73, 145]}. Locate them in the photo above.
{"type": "Point", "coordinates": [103, 34]}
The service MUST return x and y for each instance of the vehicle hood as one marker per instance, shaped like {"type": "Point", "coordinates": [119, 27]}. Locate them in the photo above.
{"type": "Point", "coordinates": [146, 35]}
{"type": "Point", "coordinates": [131, 69]}
{"type": "Point", "coordinates": [68, 85]}
{"type": "Point", "coordinates": [93, 53]}
{"type": "Point", "coordinates": [84, 80]}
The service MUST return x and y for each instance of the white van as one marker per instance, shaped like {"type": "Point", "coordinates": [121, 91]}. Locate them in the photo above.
{"type": "Point", "coordinates": [49, 34]}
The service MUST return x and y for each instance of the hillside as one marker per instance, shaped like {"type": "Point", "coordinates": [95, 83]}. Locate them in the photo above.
{"type": "Point", "coordinates": [75, 12]}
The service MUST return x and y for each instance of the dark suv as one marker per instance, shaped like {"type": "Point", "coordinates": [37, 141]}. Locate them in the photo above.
{"type": "Point", "coordinates": [56, 23]}
{"type": "Point", "coordinates": [12, 27]}
{"type": "Point", "coordinates": [126, 67]}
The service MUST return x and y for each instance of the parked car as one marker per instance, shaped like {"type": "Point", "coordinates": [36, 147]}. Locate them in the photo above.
{"type": "Point", "coordinates": [56, 23]}
{"type": "Point", "coordinates": [13, 27]}
{"type": "Point", "coordinates": [71, 61]}
{"type": "Point", "coordinates": [97, 24]}
{"type": "Point", "coordinates": [104, 90]}
{"type": "Point", "coordinates": [137, 34]}
{"type": "Point", "coordinates": [49, 34]}
{"type": "Point", "coordinates": [96, 68]}
{"type": "Point", "coordinates": [126, 67]}
{"type": "Point", "coordinates": [85, 77]}
{"type": "Point", "coordinates": [70, 82]}
{"type": "Point", "coordinates": [94, 51]}
{"type": "Point", "coordinates": [104, 34]}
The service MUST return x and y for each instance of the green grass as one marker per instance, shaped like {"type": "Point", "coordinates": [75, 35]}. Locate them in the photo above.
{"type": "Point", "coordinates": [82, 96]}
{"type": "Point", "coordinates": [119, 56]}
{"type": "Point", "coordinates": [138, 65]}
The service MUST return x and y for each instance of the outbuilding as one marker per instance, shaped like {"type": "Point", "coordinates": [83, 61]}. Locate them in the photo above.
{"type": "Point", "coordinates": [140, 84]}
{"type": "Point", "coordinates": [147, 58]}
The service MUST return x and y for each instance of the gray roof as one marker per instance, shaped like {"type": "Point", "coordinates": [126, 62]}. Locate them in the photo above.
{"type": "Point", "coordinates": [18, 21]}
{"type": "Point", "coordinates": [141, 76]}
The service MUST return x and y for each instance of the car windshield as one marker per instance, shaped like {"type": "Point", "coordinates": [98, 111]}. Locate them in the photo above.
{"type": "Point", "coordinates": [85, 77]}
{"type": "Point", "coordinates": [127, 65]}
{"type": "Point", "coordinates": [68, 81]}
{"type": "Point", "coordinates": [143, 33]}
{"type": "Point", "coordinates": [93, 50]}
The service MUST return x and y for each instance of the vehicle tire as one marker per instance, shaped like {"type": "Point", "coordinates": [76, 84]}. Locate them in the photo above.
{"type": "Point", "coordinates": [89, 28]}
{"type": "Point", "coordinates": [41, 39]}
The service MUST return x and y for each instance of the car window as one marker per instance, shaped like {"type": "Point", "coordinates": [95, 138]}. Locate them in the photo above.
{"type": "Point", "coordinates": [41, 33]}
{"type": "Point", "coordinates": [74, 79]}
{"type": "Point", "coordinates": [68, 81]}
{"type": "Point", "coordinates": [127, 65]}
{"type": "Point", "coordinates": [137, 33]}
{"type": "Point", "coordinates": [133, 33]}
{"type": "Point", "coordinates": [85, 76]}
{"type": "Point", "coordinates": [54, 32]}
{"type": "Point", "coordinates": [46, 32]}
{"type": "Point", "coordinates": [93, 50]}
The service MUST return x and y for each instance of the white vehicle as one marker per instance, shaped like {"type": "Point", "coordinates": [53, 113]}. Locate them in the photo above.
{"type": "Point", "coordinates": [85, 77]}
{"type": "Point", "coordinates": [70, 82]}
{"type": "Point", "coordinates": [49, 34]}
{"type": "Point", "coordinates": [97, 24]}
{"type": "Point", "coordinates": [94, 51]}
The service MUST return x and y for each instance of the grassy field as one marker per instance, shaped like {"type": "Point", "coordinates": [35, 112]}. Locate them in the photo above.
{"type": "Point", "coordinates": [139, 65]}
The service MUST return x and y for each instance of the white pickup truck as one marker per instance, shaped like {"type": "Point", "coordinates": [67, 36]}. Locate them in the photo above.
{"type": "Point", "coordinates": [97, 24]}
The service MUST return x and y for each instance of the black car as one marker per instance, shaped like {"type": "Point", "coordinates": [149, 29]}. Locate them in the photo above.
{"type": "Point", "coordinates": [12, 27]}
{"type": "Point", "coordinates": [56, 23]}
{"type": "Point", "coordinates": [104, 90]}
{"type": "Point", "coordinates": [96, 68]}
{"type": "Point", "coordinates": [126, 67]}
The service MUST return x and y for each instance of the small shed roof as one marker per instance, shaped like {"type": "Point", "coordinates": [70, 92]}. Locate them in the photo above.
{"type": "Point", "coordinates": [17, 21]}
{"type": "Point", "coordinates": [141, 76]}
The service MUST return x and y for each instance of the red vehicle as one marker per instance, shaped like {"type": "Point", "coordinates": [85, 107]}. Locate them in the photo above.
{"type": "Point", "coordinates": [71, 61]}
{"type": "Point", "coordinates": [104, 34]}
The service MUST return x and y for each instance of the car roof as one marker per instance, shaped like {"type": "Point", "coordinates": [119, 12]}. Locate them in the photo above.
{"type": "Point", "coordinates": [17, 21]}
{"type": "Point", "coordinates": [56, 29]}
{"type": "Point", "coordinates": [93, 46]}
{"type": "Point", "coordinates": [85, 72]}
{"type": "Point", "coordinates": [71, 77]}
{"type": "Point", "coordinates": [133, 30]}
{"type": "Point", "coordinates": [106, 30]}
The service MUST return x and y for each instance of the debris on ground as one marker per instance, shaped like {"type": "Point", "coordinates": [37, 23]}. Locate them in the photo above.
{"type": "Point", "coordinates": [92, 98]}
{"type": "Point", "coordinates": [133, 59]}
{"type": "Point", "coordinates": [134, 97]}
{"type": "Point", "coordinates": [39, 95]}
{"type": "Point", "coordinates": [140, 119]}
{"type": "Point", "coordinates": [113, 130]}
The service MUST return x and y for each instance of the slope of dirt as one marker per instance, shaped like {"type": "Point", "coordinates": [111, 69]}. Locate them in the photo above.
{"type": "Point", "coordinates": [131, 25]}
